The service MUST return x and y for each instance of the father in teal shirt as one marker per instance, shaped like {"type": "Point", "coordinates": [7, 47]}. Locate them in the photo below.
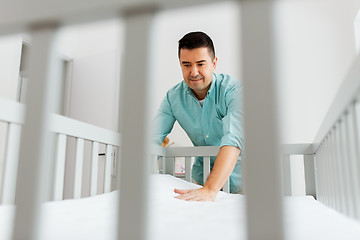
{"type": "Point", "coordinates": [208, 106]}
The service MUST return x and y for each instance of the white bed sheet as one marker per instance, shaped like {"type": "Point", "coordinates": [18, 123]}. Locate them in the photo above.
{"type": "Point", "coordinates": [170, 218]}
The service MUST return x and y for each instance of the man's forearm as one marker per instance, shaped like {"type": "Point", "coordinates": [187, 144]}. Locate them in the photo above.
{"type": "Point", "coordinates": [223, 167]}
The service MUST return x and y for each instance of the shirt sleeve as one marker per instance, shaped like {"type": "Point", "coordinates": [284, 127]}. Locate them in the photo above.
{"type": "Point", "coordinates": [233, 127]}
{"type": "Point", "coordinates": [163, 122]}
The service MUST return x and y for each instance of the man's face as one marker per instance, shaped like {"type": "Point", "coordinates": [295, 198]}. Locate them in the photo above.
{"type": "Point", "coordinates": [197, 69]}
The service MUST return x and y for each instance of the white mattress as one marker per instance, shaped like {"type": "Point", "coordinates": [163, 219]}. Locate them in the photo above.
{"type": "Point", "coordinates": [93, 218]}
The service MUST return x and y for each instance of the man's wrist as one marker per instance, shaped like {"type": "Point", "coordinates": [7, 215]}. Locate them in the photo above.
{"type": "Point", "coordinates": [213, 191]}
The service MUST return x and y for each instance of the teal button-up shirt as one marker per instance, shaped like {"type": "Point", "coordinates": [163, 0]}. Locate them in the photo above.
{"type": "Point", "coordinates": [218, 122]}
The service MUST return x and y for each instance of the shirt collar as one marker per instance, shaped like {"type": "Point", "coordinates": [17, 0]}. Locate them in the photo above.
{"type": "Point", "coordinates": [212, 85]}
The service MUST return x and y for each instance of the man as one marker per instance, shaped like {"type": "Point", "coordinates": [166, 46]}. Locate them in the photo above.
{"type": "Point", "coordinates": [208, 107]}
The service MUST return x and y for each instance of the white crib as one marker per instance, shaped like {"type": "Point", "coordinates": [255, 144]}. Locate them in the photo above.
{"type": "Point", "coordinates": [337, 180]}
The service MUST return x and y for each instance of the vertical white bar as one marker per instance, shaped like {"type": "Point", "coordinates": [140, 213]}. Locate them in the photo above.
{"type": "Point", "coordinates": [11, 164]}
{"type": "Point", "coordinates": [36, 156]}
{"type": "Point", "coordinates": [226, 187]}
{"type": "Point", "coordinates": [161, 161]}
{"type": "Point", "coordinates": [286, 175]}
{"type": "Point", "coordinates": [328, 175]}
{"type": "Point", "coordinates": [340, 170]}
{"type": "Point", "coordinates": [60, 167]}
{"type": "Point", "coordinates": [328, 172]}
{"type": "Point", "coordinates": [135, 103]}
{"type": "Point", "coordinates": [334, 172]}
{"type": "Point", "coordinates": [108, 165]}
{"type": "Point", "coordinates": [188, 169]}
{"type": "Point", "coordinates": [356, 120]}
{"type": "Point", "coordinates": [262, 179]}
{"type": "Point", "coordinates": [79, 159]}
{"type": "Point", "coordinates": [345, 168]}
{"type": "Point", "coordinates": [348, 160]}
{"type": "Point", "coordinates": [318, 173]}
{"type": "Point", "coordinates": [169, 167]}
{"type": "Point", "coordinates": [206, 169]}
{"type": "Point", "coordinates": [321, 173]}
{"type": "Point", "coordinates": [353, 148]}
{"type": "Point", "coordinates": [94, 168]}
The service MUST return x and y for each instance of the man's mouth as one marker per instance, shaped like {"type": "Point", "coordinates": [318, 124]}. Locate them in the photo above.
{"type": "Point", "coordinates": [195, 79]}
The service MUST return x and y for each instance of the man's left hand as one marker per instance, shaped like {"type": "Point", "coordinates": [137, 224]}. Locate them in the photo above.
{"type": "Point", "coordinates": [199, 194]}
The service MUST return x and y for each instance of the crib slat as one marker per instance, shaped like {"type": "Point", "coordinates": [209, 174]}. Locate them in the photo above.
{"type": "Point", "coordinates": [60, 168]}
{"type": "Point", "coordinates": [226, 187]}
{"type": "Point", "coordinates": [329, 172]}
{"type": "Point", "coordinates": [161, 161]}
{"type": "Point", "coordinates": [134, 124]}
{"type": "Point", "coordinates": [11, 164]}
{"type": "Point", "coordinates": [334, 194]}
{"type": "Point", "coordinates": [340, 170]}
{"type": "Point", "coordinates": [94, 168]}
{"type": "Point", "coordinates": [353, 158]}
{"type": "Point", "coordinates": [337, 185]}
{"type": "Point", "coordinates": [349, 156]}
{"type": "Point", "coordinates": [169, 167]}
{"type": "Point", "coordinates": [318, 173]}
{"type": "Point", "coordinates": [206, 166]}
{"type": "Point", "coordinates": [78, 167]}
{"type": "Point", "coordinates": [331, 182]}
{"type": "Point", "coordinates": [345, 167]}
{"type": "Point", "coordinates": [356, 121]}
{"type": "Point", "coordinates": [262, 178]}
{"type": "Point", "coordinates": [188, 169]}
{"type": "Point", "coordinates": [321, 173]}
{"type": "Point", "coordinates": [36, 158]}
{"type": "Point", "coordinates": [337, 180]}
{"type": "Point", "coordinates": [326, 171]}
{"type": "Point", "coordinates": [108, 166]}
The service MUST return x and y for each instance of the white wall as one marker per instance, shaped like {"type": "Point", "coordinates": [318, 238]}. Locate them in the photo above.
{"type": "Point", "coordinates": [10, 52]}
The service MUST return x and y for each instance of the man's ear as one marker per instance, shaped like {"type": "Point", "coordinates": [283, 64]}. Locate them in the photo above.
{"type": "Point", "coordinates": [214, 62]}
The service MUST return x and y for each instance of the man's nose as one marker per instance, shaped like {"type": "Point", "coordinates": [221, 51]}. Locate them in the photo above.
{"type": "Point", "coordinates": [194, 71]}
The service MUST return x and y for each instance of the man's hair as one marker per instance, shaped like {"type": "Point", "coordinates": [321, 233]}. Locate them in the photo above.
{"type": "Point", "coordinates": [197, 40]}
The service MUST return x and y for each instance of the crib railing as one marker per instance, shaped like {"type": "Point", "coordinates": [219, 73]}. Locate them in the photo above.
{"type": "Point", "coordinates": [335, 152]}
{"type": "Point", "coordinates": [337, 149]}
{"type": "Point", "coordinates": [338, 157]}
{"type": "Point", "coordinates": [13, 113]}
{"type": "Point", "coordinates": [64, 127]}
{"type": "Point", "coordinates": [164, 160]}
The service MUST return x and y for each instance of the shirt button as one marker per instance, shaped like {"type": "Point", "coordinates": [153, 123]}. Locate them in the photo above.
{"type": "Point", "coordinates": [207, 136]}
